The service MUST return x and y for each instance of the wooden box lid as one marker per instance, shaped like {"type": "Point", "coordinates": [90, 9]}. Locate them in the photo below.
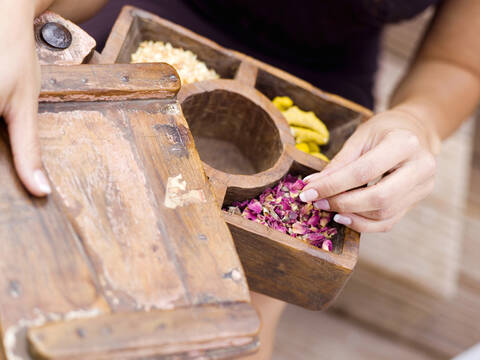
{"type": "Point", "coordinates": [129, 257]}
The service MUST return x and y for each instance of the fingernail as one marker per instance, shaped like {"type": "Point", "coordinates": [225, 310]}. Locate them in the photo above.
{"type": "Point", "coordinates": [322, 204]}
{"type": "Point", "coordinates": [306, 178]}
{"type": "Point", "coordinates": [344, 220]}
{"type": "Point", "coordinates": [309, 195]}
{"type": "Point", "coordinates": [42, 181]}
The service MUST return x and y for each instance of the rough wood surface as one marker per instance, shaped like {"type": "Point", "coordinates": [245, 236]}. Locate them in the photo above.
{"type": "Point", "coordinates": [104, 82]}
{"type": "Point", "coordinates": [80, 50]}
{"type": "Point", "coordinates": [148, 334]}
{"type": "Point", "coordinates": [246, 146]}
{"type": "Point", "coordinates": [44, 273]}
{"type": "Point", "coordinates": [132, 225]}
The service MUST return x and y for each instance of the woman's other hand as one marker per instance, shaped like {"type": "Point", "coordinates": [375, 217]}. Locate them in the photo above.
{"type": "Point", "coordinates": [394, 146]}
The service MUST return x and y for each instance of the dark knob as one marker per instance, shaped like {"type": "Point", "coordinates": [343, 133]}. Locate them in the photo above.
{"type": "Point", "coordinates": [56, 35]}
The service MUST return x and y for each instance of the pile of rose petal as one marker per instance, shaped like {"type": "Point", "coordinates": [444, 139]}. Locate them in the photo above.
{"type": "Point", "coordinates": [281, 209]}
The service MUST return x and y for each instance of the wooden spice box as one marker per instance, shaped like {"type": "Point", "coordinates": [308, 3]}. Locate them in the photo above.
{"type": "Point", "coordinates": [246, 146]}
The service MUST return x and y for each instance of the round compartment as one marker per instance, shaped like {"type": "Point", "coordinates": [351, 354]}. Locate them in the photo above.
{"type": "Point", "coordinates": [232, 134]}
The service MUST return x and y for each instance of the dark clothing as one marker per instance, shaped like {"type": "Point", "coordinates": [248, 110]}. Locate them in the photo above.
{"type": "Point", "coordinates": [332, 44]}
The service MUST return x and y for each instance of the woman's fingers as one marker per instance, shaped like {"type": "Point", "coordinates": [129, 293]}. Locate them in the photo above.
{"type": "Point", "coordinates": [384, 219]}
{"type": "Point", "coordinates": [394, 148]}
{"type": "Point", "coordinates": [21, 118]}
{"type": "Point", "coordinates": [406, 202]}
{"type": "Point", "coordinates": [362, 224]}
{"type": "Point", "coordinates": [392, 189]}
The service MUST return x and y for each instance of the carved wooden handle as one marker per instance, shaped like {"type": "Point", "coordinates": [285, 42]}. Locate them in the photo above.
{"type": "Point", "coordinates": [112, 82]}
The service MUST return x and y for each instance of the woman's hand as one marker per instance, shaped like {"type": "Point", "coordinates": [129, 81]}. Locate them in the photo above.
{"type": "Point", "coordinates": [395, 145]}
{"type": "Point", "coordinates": [19, 89]}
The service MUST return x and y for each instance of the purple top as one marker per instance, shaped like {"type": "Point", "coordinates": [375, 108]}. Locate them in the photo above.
{"type": "Point", "coordinates": [332, 44]}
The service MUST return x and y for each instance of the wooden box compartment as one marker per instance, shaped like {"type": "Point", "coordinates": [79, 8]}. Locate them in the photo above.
{"type": "Point", "coordinates": [246, 146]}
{"type": "Point", "coordinates": [143, 25]}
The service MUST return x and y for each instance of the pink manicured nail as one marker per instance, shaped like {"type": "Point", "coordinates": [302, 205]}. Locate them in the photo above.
{"type": "Point", "coordinates": [306, 178]}
{"type": "Point", "coordinates": [322, 204]}
{"type": "Point", "coordinates": [309, 195]}
{"type": "Point", "coordinates": [42, 181]}
{"type": "Point", "coordinates": [344, 220]}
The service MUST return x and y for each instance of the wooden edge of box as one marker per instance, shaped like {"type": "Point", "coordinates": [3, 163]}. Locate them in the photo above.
{"type": "Point", "coordinates": [122, 26]}
{"type": "Point", "coordinates": [157, 333]}
{"type": "Point", "coordinates": [94, 82]}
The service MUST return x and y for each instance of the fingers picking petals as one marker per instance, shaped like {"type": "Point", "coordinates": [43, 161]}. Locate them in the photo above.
{"type": "Point", "coordinates": [308, 195]}
{"type": "Point", "coordinates": [322, 204]}
{"type": "Point", "coordinates": [341, 219]}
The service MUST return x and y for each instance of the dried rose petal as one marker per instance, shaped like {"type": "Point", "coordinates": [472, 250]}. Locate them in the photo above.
{"type": "Point", "coordinates": [313, 221]}
{"type": "Point", "coordinates": [255, 206]}
{"type": "Point", "coordinates": [299, 228]}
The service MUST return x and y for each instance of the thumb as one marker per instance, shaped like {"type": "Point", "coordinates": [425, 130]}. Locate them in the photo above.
{"type": "Point", "coordinates": [21, 119]}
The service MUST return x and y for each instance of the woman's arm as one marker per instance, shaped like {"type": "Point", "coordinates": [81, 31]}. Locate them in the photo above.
{"type": "Point", "coordinates": [20, 74]}
{"type": "Point", "coordinates": [443, 85]}
{"type": "Point", "coordinates": [439, 92]}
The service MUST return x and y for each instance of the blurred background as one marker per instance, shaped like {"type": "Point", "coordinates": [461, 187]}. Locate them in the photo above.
{"type": "Point", "coordinates": [415, 293]}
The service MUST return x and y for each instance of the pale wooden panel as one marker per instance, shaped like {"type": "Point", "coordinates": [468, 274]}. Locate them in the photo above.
{"type": "Point", "coordinates": [471, 250]}
{"type": "Point", "coordinates": [113, 214]}
{"type": "Point", "coordinates": [303, 335]}
{"type": "Point", "coordinates": [441, 326]}
{"type": "Point", "coordinates": [43, 273]}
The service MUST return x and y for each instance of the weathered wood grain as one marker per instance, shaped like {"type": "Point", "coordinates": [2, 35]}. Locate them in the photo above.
{"type": "Point", "coordinates": [101, 82]}
{"type": "Point", "coordinates": [132, 226]}
{"type": "Point", "coordinates": [80, 50]}
{"type": "Point", "coordinates": [44, 275]}
{"type": "Point", "coordinates": [149, 334]}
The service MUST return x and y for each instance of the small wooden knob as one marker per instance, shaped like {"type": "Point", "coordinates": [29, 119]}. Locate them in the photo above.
{"type": "Point", "coordinates": [56, 35]}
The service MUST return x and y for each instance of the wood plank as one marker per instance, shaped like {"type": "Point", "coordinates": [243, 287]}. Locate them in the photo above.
{"type": "Point", "coordinates": [156, 333]}
{"type": "Point", "coordinates": [130, 194]}
{"type": "Point", "coordinates": [195, 223]}
{"type": "Point", "coordinates": [106, 82]}
{"type": "Point", "coordinates": [44, 273]}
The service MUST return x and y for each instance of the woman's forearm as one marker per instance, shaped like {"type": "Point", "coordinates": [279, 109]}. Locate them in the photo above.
{"type": "Point", "coordinates": [443, 85]}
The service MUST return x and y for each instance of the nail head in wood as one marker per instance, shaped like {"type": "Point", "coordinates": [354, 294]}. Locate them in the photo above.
{"type": "Point", "coordinates": [56, 35]}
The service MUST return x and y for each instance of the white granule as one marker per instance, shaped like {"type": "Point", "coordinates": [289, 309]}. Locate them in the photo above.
{"type": "Point", "coordinates": [185, 62]}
